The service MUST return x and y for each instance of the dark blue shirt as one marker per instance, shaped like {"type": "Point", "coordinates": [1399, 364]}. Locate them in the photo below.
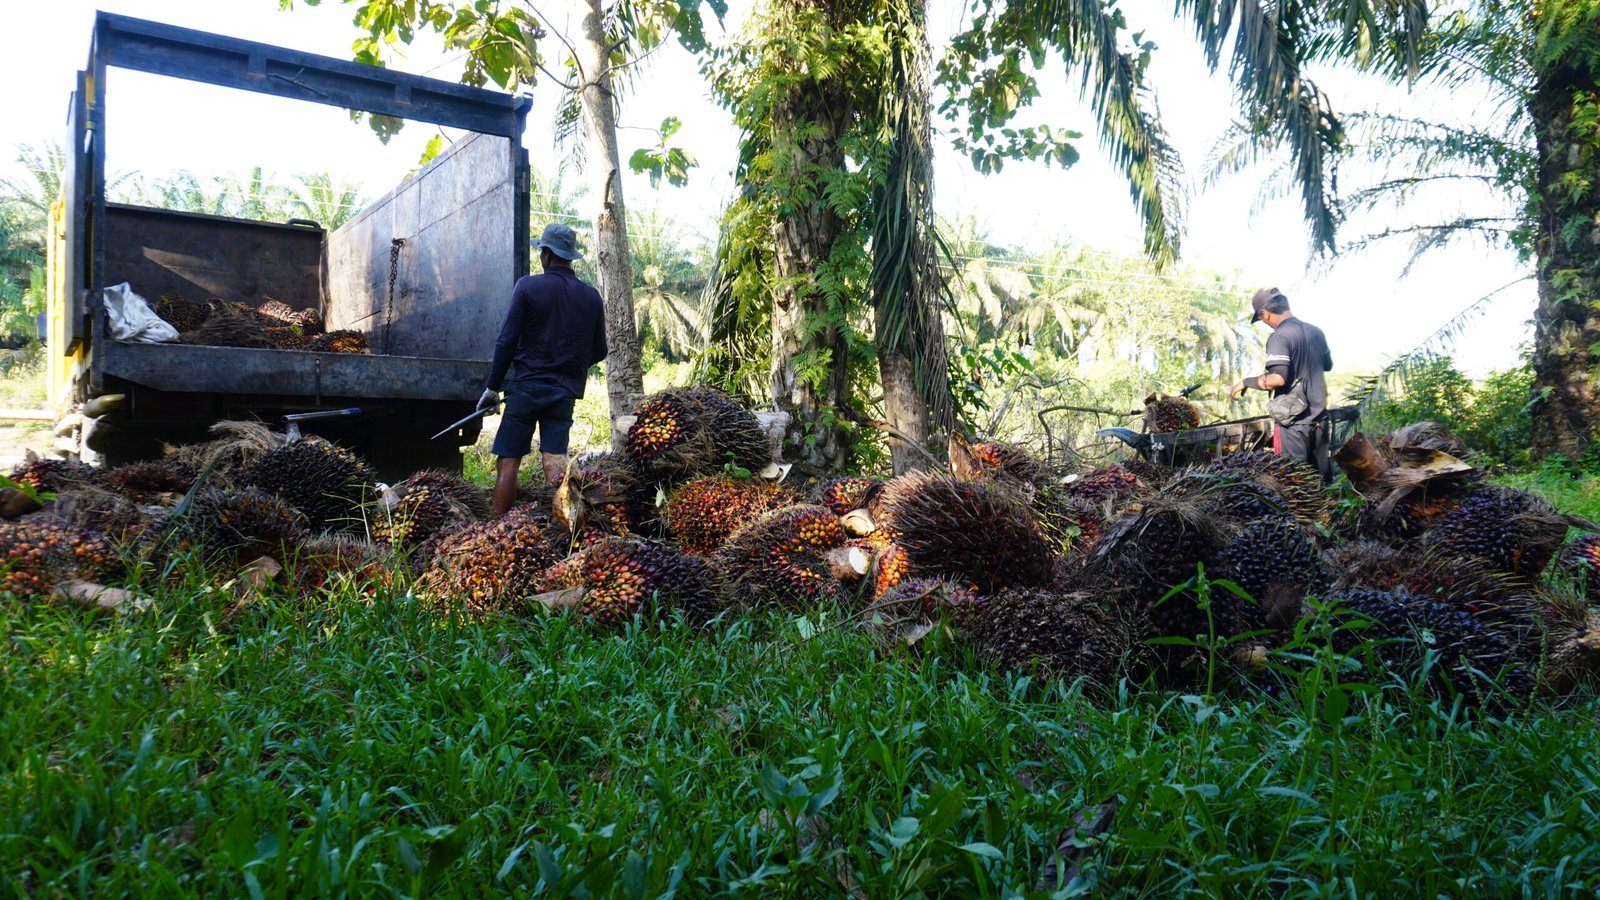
{"type": "Point", "coordinates": [554, 331]}
{"type": "Point", "coordinates": [1298, 351]}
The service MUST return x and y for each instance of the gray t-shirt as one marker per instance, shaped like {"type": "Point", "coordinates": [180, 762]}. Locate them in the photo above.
{"type": "Point", "coordinates": [1298, 350]}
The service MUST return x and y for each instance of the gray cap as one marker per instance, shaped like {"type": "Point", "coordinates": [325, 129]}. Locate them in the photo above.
{"type": "Point", "coordinates": [560, 240]}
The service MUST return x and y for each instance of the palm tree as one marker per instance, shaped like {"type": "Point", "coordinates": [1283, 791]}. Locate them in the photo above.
{"type": "Point", "coordinates": [669, 281]}
{"type": "Point", "coordinates": [325, 201]}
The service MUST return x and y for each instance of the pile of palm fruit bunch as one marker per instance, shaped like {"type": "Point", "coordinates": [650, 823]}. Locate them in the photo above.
{"type": "Point", "coordinates": [273, 325]}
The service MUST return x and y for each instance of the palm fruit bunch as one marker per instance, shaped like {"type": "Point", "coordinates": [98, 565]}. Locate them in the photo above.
{"type": "Point", "coordinates": [490, 566]}
{"type": "Point", "coordinates": [890, 567]}
{"type": "Point", "coordinates": [1163, 414]}
{"type": "Point", "coordinates": [1579, 561]}
{"type": "Point", "coordinates": [48, 476]}
{"type": "Point", "coordinates": [1571, 639]}
{"type": "Point", "coordinates": [993, 459]}
{"type": "Point", "coordinates": [781, 557]}
{"type": "Point", "coordinates": [342, 341]}
{"type": "Point", "coordinates": [149, 482]}
{"type": "Point", "coordinates": [599, 495]}
{"type": "Point", "coordinates": [181, 312]}
{"type": "Point", "coordinates": [704, 513]}
{"type": "Point", "coordinates": [106, 513]}
{"type": "Point", "coordinates": [1369, 565]}
{"type": "Point", "coordinates": [1056, 634]}
{"type": "Point", "coordinates": [1232, 494]}
{"type": "Point", "coordinates": [280, 314]}
{"type": "Point", "coordinates": [236, 446]}
{"type": "Point", "coordinates": [1410, 516]}
{"type": "Point", "coordinates": [1276, 561]}
{"type": "Point", "coordinates": [1110, 486]}
{"type": "Point", "coordinates": [682, 433]}
{"type": "Point", "coordinates": [238, 524]}
{"type": "Point", "coordinates": [1071, 523]}
{"type": "Point", "coordinates": [1297, 483]}
{"type": "Point", "coordinates": [970, 531]}
{"type": "Point", "coordinates": [228, 331]}
{"type": "Point", "coordinates": [328, 483]}
{"type": "Point", "coordinates": [1156, 547]}
{"type": "Point", "coordinates": [1511, 531]}
{"type": "Point", "coordinates": [1153, 474]}
{"type": "Point", "coordinates": [620, 576]}
{"type": "Point", "coordinates": [849, 493]}
{"type": "Point", "coordinates": [912, 608]}
{"type": "Point", "coordinates": [326, 558]}
{"type": "Point", "coordinates": [1403, 627]}
{"type": "Point", "coordinates": [282, 337]}
{"type": "Point", "coordinates": [411, 512]}
{"type": "Point", "coordinates": [36, 555]}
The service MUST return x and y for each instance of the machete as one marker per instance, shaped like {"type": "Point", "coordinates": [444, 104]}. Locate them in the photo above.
{"type": "Point", "coordinates": [481, 411]}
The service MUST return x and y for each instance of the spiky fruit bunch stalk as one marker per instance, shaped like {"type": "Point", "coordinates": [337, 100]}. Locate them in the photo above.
{"type": "Point", "coordinates": [1167, 414]}
{"type": "Point", "coordinates": [622, 577]}
{"type": "Point", "coordinates": [681, 433]}
{"type": "Point", "coordinates": [411, 512]}
{"type": "Point", "coordinates": [781, 557]}
{"type": "Point", "coordinates": [1367, 565]}
{"type": "Point", "coordinates": [704, 513]}
{"type": "Point", "coordinates": [848, 493]}
{"type": "Point", "coordinates": [1403, 629]}
{"type": "Point", "coordinates": [1056, 634]}
{"type": "Point", "coordinates": [37, 555]}
{"type": "Point", "coordinates": [1297, 483]}
{"type": "Point", "coordinates": [1580, 561]}
{"type": "Point", "coordinates": [969, 531]}
{"type": "Point", "coordinates": [341, 341]}
{"type": "Point", "coordinates": [1276, 561]}
{"type": "Point", "coordinates": [236, 447]}
{"type": "Point", "coordinates": [55, 475]}
{"type": "Point", "coordinates": [1109, 486]}
{"type": "Point", "coordinates": [1510, 531]}
{"type": "Point", "coordinates": [492, 566]}
{"type": "Point", "coordinates": [150, 482]}
{"type": "Point", "coordinates": [328, 483]}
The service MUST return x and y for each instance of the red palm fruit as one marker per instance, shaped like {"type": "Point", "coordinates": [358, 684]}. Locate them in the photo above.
{"type": "Point", "coordinates": [54, 475]}
{"type": "Point", "coordinates": [492, 566]}
{"type": "Point", "coordinates": [36, 555]}
{"type": "Point", "coordinates": [622, 577]}
{"type": "Point", "coordinates": [1167, 414]}
{"type": "Point", "coordinates": [683, 433]}
{"type": "Point", "coordinates": [704, 513]}
{"type": "Point", "coordinates": [848, 493]}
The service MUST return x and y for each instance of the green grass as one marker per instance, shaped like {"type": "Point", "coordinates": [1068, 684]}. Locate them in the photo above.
{"type": "Point", "coordinates": [371, 747]}
{"type": "Point", "coordinates": [1572, 490]}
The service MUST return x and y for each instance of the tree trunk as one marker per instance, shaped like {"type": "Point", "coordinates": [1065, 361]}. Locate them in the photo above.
{"type": "Point", "coordinates": [905, 411]}
{"type": "Point", "coordinates": [603, 168]}
{"type": "Point", "coordinates": [1567, 324]}
{"type": "Point", "coordinates": [806, 129]}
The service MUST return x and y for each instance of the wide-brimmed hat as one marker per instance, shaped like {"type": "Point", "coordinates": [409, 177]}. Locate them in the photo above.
{"type": "Point", "coordinates": [560, 240]}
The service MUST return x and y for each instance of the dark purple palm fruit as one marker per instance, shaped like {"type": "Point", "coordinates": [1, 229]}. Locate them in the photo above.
{"type": "Point", "coordinates": [1509, 530]}
{"type": "Point", "coordinates": [1051, 633]}
{"type": "Point", "coordinates": [969, 531]}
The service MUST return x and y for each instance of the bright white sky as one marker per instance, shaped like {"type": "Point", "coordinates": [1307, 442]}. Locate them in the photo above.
{"type": "Point", "coordinates": [1369, 311]}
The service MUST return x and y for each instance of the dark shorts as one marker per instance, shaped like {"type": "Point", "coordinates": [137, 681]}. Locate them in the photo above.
{"type": "Point", "coordinates": [534, 403]}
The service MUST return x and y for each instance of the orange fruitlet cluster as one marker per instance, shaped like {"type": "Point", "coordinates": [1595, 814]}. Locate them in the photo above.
{"type": "Point", "coordinates": [659, 426]}
{"type": "Point", "coordinates": [489, 565]}
{"type": "Point", "coordinates": [781, 556]}
{"type": "Point", "coordinates": [848, 493]}
{"type": "Point", "coordinates": [619, 575]}
{"type": "Point", "coordinates": [34, 556]}
{"type": "Point", "coordinates": [704, 513]}
{"type": "Point", "coordinates": [1009, 459]}
{"type": "Point", "coordinates": [54, 474]}
{"type": "Point", "coordinates": [343, 341]}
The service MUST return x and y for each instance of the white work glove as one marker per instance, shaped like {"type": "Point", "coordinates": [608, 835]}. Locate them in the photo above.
{"type": "Point", "coordinates": [489, 400]}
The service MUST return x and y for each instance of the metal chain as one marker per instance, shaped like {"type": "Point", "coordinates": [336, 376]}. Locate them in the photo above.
{"type": "Point", "coordinates": [388, 310]}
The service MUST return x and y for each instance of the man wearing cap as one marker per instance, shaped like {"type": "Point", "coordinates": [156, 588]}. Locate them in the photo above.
{"type": "Point", "coordinates": [1297, 353]}
{"type": "Point", "coordinates": [553, 332]}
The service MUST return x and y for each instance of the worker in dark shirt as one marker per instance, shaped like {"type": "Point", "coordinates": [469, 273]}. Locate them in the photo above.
{"type": "Point", "coordinates": [1297, 352]}
{"type": "Point", "coordinates": [553, 332]}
